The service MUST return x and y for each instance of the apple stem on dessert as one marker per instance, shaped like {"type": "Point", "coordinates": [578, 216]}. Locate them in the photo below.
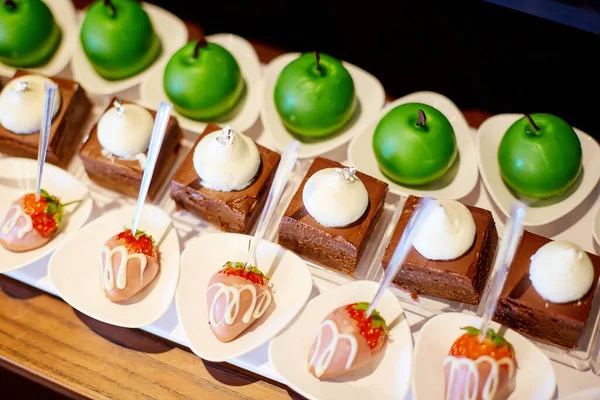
{"type": "Point", "coordinates": [318, 59]}
{"type": "Point", "coordinates": [199, 44]}
{"type": "Point", "coordinates": [422, 118]}
{"type": "Point", "coordinates": [11, 4]}
{"type": "Point", "coordinates": [113, 9]}
{"type": "Point", "coordinates": [532, 122]}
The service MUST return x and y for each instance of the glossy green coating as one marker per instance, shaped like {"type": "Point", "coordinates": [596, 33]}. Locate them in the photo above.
{"type": "Point", "coordinates": [540, 164]}
{"type": "Point", "coordinates": [29, 35]}
{"type": "Point", "coordinates": [315, 102]}
{"type": "Point", "coordinates": [205, 87]}
{"type": "Point", "coordinates": [410, 154]}
{"type": "Point", "coordinates": [118, 38]}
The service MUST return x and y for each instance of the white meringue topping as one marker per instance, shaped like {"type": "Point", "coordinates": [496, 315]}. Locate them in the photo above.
{"type": "Point", "coordinates": [447, 232]}
{"type": "Point", "coordinates": [335, 197]}
{"type": "Point", "coordinates": [125, 133]}
{"type": "Point", "coordinates": [226, 160]}
{"type": "Point", "coordinates": [22, 104]}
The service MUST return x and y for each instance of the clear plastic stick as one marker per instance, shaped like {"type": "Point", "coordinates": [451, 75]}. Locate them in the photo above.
{"type": "Point", "coordinates": [513, 232]}
{"type": "Point", "coordinates": [158, 134]}
{"type": "Point", "coordinates": [402, 249]}
{"type": "Point", "coordinates": [50, 96]}
{"type": "Point", "coordinates": [288, 160]}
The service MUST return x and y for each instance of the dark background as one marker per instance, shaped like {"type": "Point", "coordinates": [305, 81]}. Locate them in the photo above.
{"type": "Point", "coordinates": [479, 54]}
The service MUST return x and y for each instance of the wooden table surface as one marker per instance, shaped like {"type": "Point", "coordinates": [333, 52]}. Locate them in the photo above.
{"type": "Point", "coordinates": [45, 340]}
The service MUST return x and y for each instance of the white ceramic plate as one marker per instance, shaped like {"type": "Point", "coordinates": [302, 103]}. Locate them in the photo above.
{"type": "Point", "coordinates": [490, 134]}
{"type": "Point", "coordinates": [244, 115]}
{"type": "Point", "coordinates": [535, 375]}
{"type": "Point", "coordinates": [587, 394]}
{"type": "Point", "coordinates": [387, 378]}
{"type": "Point", "coordinates": [18, 176]}
{"type": "Point", "coordinates": [74, 270]}
{"type": "Point", "coordinates": [65, 17]}
{"type": "Point", "coordinates": [369, 92]}
{"type": "Point", "coordinates": [458, 182]}
{"type": "Point", "coordinates": [596, 226]}
{"type": "Point", "coordinates": [204, 257]}
{"type": "Point", "coordinates": [172, 33]}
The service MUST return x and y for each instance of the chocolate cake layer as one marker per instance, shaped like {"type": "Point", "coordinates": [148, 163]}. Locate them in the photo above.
{"type": "Point", "coordinates": [336, 248]}
{"type": "Point", "coordinates": [462, 279]}
{"type": "Point", "coordinates": [125, 176]}
{"type": "Point", "coordinates": [521, 308]}
{"type": "Point", "coordinates": [234, 211]}
{"type": "Point", "coordinates": [66, 131]}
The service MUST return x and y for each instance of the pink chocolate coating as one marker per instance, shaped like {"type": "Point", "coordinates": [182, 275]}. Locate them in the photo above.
{"type": "Point", "coordinates": [10, 241]}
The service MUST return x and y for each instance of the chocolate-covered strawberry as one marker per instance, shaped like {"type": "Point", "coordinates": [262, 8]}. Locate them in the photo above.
{"type": "Point", "coordinates": [128, 263]}
{"type": "Point", "coordinates": [236, 297]}
{"type": "Point", "coordinates": [347, 339]}
{"type": "Point", "coordinates": [31, 221]}
{"type": "Point", "coordinates": [480, 369]}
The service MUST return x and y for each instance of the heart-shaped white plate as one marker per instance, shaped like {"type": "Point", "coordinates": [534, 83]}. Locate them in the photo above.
{"type": "Point", "coordinates": [18, 176]}
{"type": "Point", "coordinates": [65, 17]}
{"type": "Point", "coordinates": [535, 375]}
{"type": "Point", "coordinates": [203, 257]}
{"type": "Point", "coordinates": [458, 182]}
{"type": "Point", "coordinates": [172, 33]}
{"type": "Point", "coordinates": [244, 115]}
{"type": "Point", "coordinates": [388, 377]}
{"type": "Point", "coordinates": [490, 134]}
{"type": "Point", "coordinates": [75, 273]}
{"type": "Point", "coordinates": [369, 92]}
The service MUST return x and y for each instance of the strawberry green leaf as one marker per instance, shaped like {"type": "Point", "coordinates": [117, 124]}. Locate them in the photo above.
{"type": "Point", "coordinates": [139, 233]}
{"type": "Point", "coordinates": [377, 321]}
{"type": "Point", "coordinates": [497, 339]}
{"type": "Point", "coordinates": [240, 265]}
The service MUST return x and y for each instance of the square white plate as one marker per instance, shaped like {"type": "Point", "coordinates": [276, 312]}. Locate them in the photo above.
{"type": "Point", "coordinates": [369, 92]}
{"type": "Point", "coordinates": [389, 379]}
{"type": "Point", "coordinates": [458, 182]}
{"type": "Point", "coordinates": [535, 375]}
{"type": "Point", "coordinates": [172, 33]}
{"type": "Point", "coordinates": [75, 272]}
{"type": "Point", "coordinates": [65, 17]}
{"type": "Point", "coordinates": [18, 176]}
{"type": "Point", "coordinates": [204, 257]}
{"type": "Point", "coordinates": [244, 115]}
{"type": "Point", "coordinates": [490, 134]}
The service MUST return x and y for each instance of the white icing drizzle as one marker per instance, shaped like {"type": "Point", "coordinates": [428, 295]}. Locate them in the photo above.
{"type": "Point", "coordinates": [327, 355]}
{"type": "Point", "coordinates": [107, 269]}
{"type": "Point", "coordinates": [233, 295]}
{"type": "Point", "coordinates": [491, 384]}
{"type": "Point", "coordinates": [14, 220]}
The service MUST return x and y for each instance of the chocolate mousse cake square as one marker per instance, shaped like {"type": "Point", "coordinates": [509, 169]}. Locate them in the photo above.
{"type": "Point", "coordinates": [520, 306]}
{"type": "Point", "coordinates": [234, 211]}
{"type": "Point", "coordinates": [125, 176]}
{"type": "Point", "coordinates": [336, 248]}
{"type": "Point", "coordinates": [66, 131]}
{"type": "Point", "coordinates": [462, 279]}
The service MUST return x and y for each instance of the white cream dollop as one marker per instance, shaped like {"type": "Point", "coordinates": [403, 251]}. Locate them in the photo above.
{"type": "Point", "coordinates": [561, 272]}
{"type": "Point", "coordinates": [226, 160]}
{"type": "Point", "coordinates": [447, 232]}
{"type": "Point", "coordinates": [22, 104]}
{"type": "Point", "coordinates": [126, 134]}
{"type": "Point", "coordinates": [335, 197]}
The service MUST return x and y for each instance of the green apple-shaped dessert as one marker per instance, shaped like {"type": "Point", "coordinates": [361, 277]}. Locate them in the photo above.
{"type": "Point", "coordinates": [414, 144]}
{"type": "Point", "coordinates": [540, 156]}
{"type": "Point", "coordinates": [29, 35]}
{"type": "Point", "coordinates": [203, 81]}
{"type": "Point", "coordinates": [314, 96]}
{"type": "Point", "coordinates": [118, 38]}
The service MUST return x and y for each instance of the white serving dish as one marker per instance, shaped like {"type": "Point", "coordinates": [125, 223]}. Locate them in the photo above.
{"type": "Point", "coordinates": [75, 272]}
{"type": "Point", "coordinates": [458, 182]}
{"type": "Point", "coordinates": [65, 17]}
{"type": "Point", "coordinates": [245, 114]}
{"type": "Point", "coordinates": [18, 176]}
{"type": "Point", "coordinates": [369, 92]}
{"type": "Point", "coordinates": [172, 33]}
{"type": "Point", "coordinates": [541, 212]}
